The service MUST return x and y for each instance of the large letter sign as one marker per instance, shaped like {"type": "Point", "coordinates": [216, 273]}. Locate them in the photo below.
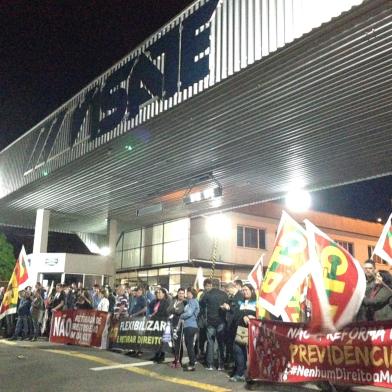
{"type": "Point", "coordinates": [178, 59]}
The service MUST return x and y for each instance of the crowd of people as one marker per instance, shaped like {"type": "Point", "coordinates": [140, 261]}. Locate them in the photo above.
{"type": "Point", "coordinates": [206, 322]}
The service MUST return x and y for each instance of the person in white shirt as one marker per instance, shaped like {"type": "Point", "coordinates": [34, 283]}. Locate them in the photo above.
{"type": "Point", "coordinates": [103, 305]}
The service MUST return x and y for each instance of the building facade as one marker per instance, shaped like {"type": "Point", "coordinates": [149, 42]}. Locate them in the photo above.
{"type": "Point", "coordinates": [170, 253]}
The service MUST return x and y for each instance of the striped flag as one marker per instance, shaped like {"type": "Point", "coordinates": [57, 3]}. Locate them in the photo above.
{"type": "Point", "coordinates": [289, 265]}
{"type": "Point", "coordinates": [337, 285]}
{"type": "Point", "coordinates": [10, 299]}
{"type": "Point", "coordinates": [255, 276]}
{"type": "Point", "coordinates": [18, 277]}
{"type": "Point", "coordinates": [22, 274]}
{"type": "Point", "coordinates": [383, 247]}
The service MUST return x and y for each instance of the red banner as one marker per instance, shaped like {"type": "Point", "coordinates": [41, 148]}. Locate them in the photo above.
{"type": "Point", "coordinates": [80, 327]}
{"type": "Point", "coordinates": [360, 354]}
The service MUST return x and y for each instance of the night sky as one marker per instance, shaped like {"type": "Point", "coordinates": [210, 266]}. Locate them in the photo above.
{"type": "Point", "coordinates": [51, 49]}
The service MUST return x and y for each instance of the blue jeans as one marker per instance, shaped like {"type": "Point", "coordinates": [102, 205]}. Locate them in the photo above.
{"type": "Point", "coordinates": [22, 325]}
{"type": "Point", "coordinates": [240, 358]}
{"type": "Point", "coordinates": [218, 333]}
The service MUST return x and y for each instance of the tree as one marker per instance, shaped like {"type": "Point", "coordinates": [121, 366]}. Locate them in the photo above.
{"type": "Point", "coordinates": [7, 258]}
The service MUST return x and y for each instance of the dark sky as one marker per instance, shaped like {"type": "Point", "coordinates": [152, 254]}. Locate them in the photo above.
{"type": "Point", "coordinates": [51, 49]}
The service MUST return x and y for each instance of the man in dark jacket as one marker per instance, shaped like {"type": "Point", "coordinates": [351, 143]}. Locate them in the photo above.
{"type": "Point", "coordinates": [369, 268]}
{"type": "Point", "coordinates": [212, 301]}
{"type": "Point", "coordinates": [22, 326]}
{"type": "Point", "coordinates": [235, 298]}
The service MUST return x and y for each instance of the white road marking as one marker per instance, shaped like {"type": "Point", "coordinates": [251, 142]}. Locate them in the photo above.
{"type": "Point", "coordinates": [122, 365]}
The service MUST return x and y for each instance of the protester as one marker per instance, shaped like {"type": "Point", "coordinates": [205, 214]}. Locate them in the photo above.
{"type": "Point", "coordinates": [40, 289]}
{"type": "Point", "coordinates": [112, 300]}
{"type": "Point", "coordinates": [69, 298]}
{"type": "Point", "coordinates": [58, 300]}
{"type": "Point", "coordinates": [370, 274]}
{"type": "Point", "coordinates": [191, 311]}
{"type": "Point", "coordinates": [159, 309]}
{"type": "Point", "coordinates": [121, 307]}
{"type": "Point", "coordinates": [378, 300]}
{"type": "Point", "coordinates": [149, 296]}
{"type": "Point", "coordinates": [83, 300]}
{"type": "Point", "coordinates": [175, 310]}
{"type": "Point", "coordinates": [212, 302]}
{"type": "Point", "coordinates": [245, 311]}
{"type": "Point", "coordinates": [235, 298]}
{"type": "Point", "coordinates": [139, 306]}
{"type": "Point", "coordinates": [22, 326]}
{"type": "Point", "coordinates": [95, 297]}
{"type": "Point", "coordinates": [37, 312]}
{"type": "Point", "coordinates": [103, 304]}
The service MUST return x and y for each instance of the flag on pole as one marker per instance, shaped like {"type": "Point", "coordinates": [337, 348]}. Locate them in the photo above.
{"type": "Point", "coordinates": [383, 247]}
{"type": "Point", "coordinates": [337, 284]}
{"type": "Point", "coordinates": [10, 299]}
{"type": "Point", "coordinates": [287, 270]}
{"type": "Point", "coordinates": [255, 276]}
{"type": "Point", "coordinates": [46, 314]}
{"type": "Point", "coordinates": [21, 267]}
{"type": "Point", "coordinates": [199, 280]}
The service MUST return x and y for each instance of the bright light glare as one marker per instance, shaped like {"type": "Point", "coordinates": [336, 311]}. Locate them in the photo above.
{"type": "Point", "coordinates": [218, 226]}
{"type": "Point", "coordinates": [208, 193]}
{"type": "Point", "coordinates": [193, 197]}
{"type": "Point", "coordinates": [104, 251]}
{"type": "Point", "coordinates": [298, 200]}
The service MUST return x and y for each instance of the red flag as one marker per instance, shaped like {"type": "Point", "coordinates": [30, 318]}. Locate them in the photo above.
{"type": "Point", "coordinates": [384, 244]}
{"type": "Point", "coordinates": [338, 282]}
{"type": "Point", "coordinates": [255, 276]}
{"type": "Point", "coordinates": [287, 269]}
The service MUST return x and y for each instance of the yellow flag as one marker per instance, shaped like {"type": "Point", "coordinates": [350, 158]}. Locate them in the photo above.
{"type": "Point", "coordinates": [10, 299]}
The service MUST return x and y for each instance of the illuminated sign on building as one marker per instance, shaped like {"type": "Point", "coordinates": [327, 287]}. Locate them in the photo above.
{"type": "Point", "coordinates": [183, 57]}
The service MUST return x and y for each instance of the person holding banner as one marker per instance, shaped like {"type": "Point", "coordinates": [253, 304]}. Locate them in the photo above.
{"type": "Point", "coordinates": [57, 302]}
{"type": "Point", "coordinates": [189, 318]}
{"type": "Point", "coordinates": [245, 311]}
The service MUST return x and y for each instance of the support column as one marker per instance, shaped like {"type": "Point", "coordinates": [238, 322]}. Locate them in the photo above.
{"type": "Point", "coordinates": [112, 236]}
{"type": "Point", "coordinates": [41, 231]}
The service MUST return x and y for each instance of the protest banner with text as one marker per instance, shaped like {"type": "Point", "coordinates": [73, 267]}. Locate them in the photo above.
{"type": "Point", "coordinates": [80, 327]}
{"type": "Point", "coordinates": [137, 333]}
{"type": "Point", "coordinates": [360, 353]}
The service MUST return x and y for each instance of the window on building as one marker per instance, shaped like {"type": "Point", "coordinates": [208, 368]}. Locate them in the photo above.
{"type": "Point", "coordinates": [349, 246]}
{"type": "Point", "coordinates": [158, 244]}
{"type": "Point", "coordinates": [250, 237]}
{"type": "Point", "coordinates": [376, 259]}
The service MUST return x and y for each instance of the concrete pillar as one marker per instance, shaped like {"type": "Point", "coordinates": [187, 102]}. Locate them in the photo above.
{"type": "Point", "coordinates": [41, 231]}
{"type": "Point", "coordinates": [112, 235]}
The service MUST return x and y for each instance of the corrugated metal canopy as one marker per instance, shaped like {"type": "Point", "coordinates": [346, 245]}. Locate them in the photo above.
{"type": "Point", "coordinates": [316, 113]}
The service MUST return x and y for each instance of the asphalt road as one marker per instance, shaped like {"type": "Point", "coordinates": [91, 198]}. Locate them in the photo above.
{"type": "Point", "coordinates": [42, 366]}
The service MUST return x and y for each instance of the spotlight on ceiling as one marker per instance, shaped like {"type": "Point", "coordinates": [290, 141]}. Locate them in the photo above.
{"type": "Point", "coordinates": [152, 209]}
{"type": "Point", "coordinates": [207, 194]}
{"type": "Point", "coordinates": [208, 188]}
